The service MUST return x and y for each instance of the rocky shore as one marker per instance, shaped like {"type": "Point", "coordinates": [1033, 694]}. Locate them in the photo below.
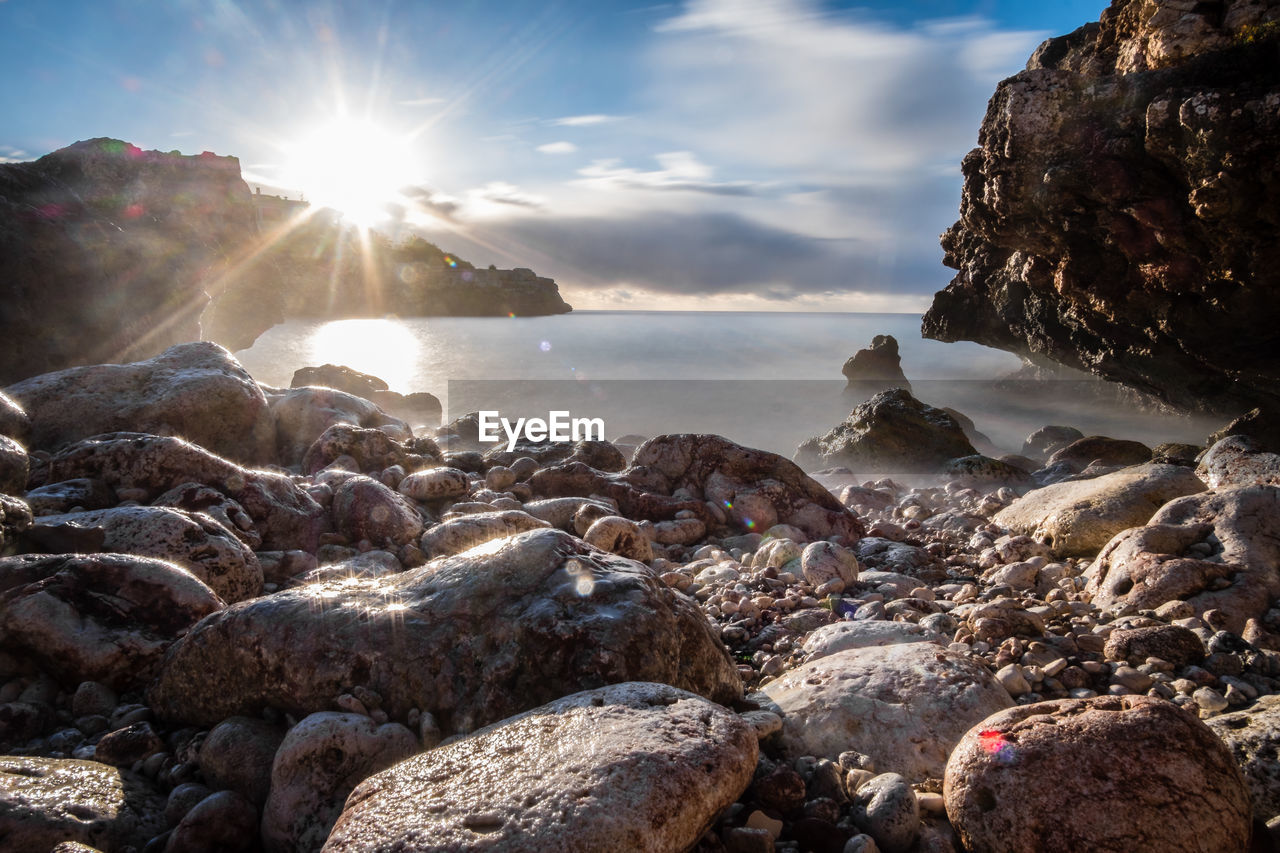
{"type": "Point", "coordinates": [240, 618]}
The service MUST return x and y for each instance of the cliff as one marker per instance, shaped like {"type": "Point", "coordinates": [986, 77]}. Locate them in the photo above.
{"type": "Point", "coordinates": [109, 253]}
{"type": "Point", "coordinates": [1120, 213]}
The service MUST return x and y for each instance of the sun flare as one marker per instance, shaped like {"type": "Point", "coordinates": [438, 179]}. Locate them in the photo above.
{"type": "Point", "coordinates": [384, 348]}
{"type": "Point", "coordinates": [354, 166]}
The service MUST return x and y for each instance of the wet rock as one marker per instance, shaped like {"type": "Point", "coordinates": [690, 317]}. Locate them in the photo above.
{"type": "Point", "coordinates": [1157, 779]}
{"type": "Point", "coordinates": [905, 705]}
{"type": "Point", "coordinates": [1253, 736]}
{"type": "Point", "coordinates": [237, 755]}
{"type": "Point", "coordinates": [364, 508]}
{"type": "Point", "coordinates": [1077, 518]}
{"type": "Point", "coordinates": [372, 449]}
{"type": "Point", "coordinates": [461, 534]}
{"type": "Point", "coordinates": [44, 801]}
{"type": "Point", "coordinates": [102, 617]}
{"type": "Point", "coordinates": [283, 513]}
{"type": "Point", "coordinates": [13, 420]}
{"type": "Point", "coordinates": [82, 493]}
{"type": "Point", "coordinates": [193, 541]}
{"type": "Point", "coordinates": [340, 377]}
{"type": "Point", "coordinates": [195, 498]}
{"type": "Point", "coordinates": [451, 638]}
{"type": "Point", "coordinates": [1238, 461]}
{"type": "Point", "coordinates": [1215, 551]}
{"type": "Point", "coordinates": [127, 745]}
{"type": "Point", "coordinates": [1179, 646]}
{"type": "Point", "coordinates": [321, 760]}
{"type": "Point", "coordinates": [893, 432]}
{"type": "Point", "coordinates": [224, 822]}
{"type": "Point", "coordinates": [196, 391]}
{"type": "Point", "coordinates": [875, 369]}
{"type": "Point", "coordinates": [640, 767]}
{"type": "Point", "coordinates": [863, 634]}
{"type": "Point", "coordinates": [13, 467]}
{"type": "Point", "coordinates": [303, 414]}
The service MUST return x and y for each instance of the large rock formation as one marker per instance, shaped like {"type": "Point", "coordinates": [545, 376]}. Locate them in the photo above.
{"type": "Point", "coordinates": [1120, 212]}
{"type": "Point", "coordinates": [110, 253]}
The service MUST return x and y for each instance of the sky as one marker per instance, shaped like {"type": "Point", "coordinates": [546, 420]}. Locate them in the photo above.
{"type": "Point", "coordinates": [717, 154]}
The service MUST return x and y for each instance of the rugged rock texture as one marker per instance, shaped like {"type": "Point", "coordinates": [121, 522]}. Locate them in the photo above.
{"type": "Point", "coordinates": [196, 391]}
{"type": "Point", "coordinates": [1154, 778]}
{"type": "Point", "coordinates": [1253, 736]}
{"type": "Point", "coordinates": [1119, 214]}
{"type": "Point", "coordinates": [451, 638]}
{"type": "Point", "coordinates": [110, 253]}
{"type": "Point", "coordinates": [875, 369]}
{"type": "Point", "coordinates": [637, 767]}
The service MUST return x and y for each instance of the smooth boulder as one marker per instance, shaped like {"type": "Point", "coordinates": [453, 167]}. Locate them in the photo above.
{"type": "Point", "coordinates": [903, 705]}
{"type": "Point", "coordinates": [452, 637]}
{"type": "Point", "coordinates": [636, 767]}
{"type": "Point", "coordinates": [1144, 774]}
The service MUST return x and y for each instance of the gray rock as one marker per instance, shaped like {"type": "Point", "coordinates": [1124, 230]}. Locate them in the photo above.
{"type": "Point", "coordinates": [436, 484]}
{"type": "Point", "coordinates": [194, 541]}
{"type": "Point", "coordinates": [44, 801]}
{"type": "Point", "coordinates": [196, 391]}
{"type": "Point", "coordinates": [84, 493]}
{"type": "Point", "coordinates": [13, 420]}
{"type": "Point", "coordinates": [304, 414]}
{"type": "Point", "coordinates": [460, 534]}
{"type": "Point", "coordinates": [636, 767]}
{"type": "Point", "coordinates": [865, 634]}
{"type": "Point", "coordinates": [14, 467]}
{"type": "Point", "coordinates": [1253, 736]}
{"type": "Point", "coordinates": [319, 763]}
{"type": "Point", "coordinates": [905, 705]}
{"type": "Point", "coordinates": [364, 508]}
{"type": "Point", "coordinates": [224, 822]}
{"type": "Point", "coordinates": [886, 809]}
{"type": "Point", "coordinates": [451, 638]}
{"type": "Point", "coordinates": [1238, 461]}
{"type": "Point", "coordinates": [101, 617]}
{"type": "Point", "coordinates": [237, 756]}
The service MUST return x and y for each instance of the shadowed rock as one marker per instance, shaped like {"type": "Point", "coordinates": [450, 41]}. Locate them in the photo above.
{"type": "Point", "coordinates": [875, 369]}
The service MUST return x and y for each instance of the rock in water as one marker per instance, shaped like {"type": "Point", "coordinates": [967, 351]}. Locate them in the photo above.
{"type": "Point", "coordinates": [1119, 214]}
{"type": "Point", "coordinates": [340, 377]}
{"type": "Point", "coordinates": [47, 800]}
{"type": "Point", "coordinates": [903, 705]}
{"type": "Point", "coordinates": [1145, 775]}
{"type": "Point", "coordinates": [452, 638]}
{"type": "Point", "coordinates": [892, 432]}
{"type": "Point", "coordinates": [196, 391]}
{"type": "Point", "coordinates": [635, 767]}
{"type": "Point", "coordinates": [875, 369]}
{"type": "Point", "coordinates": [98, 617]}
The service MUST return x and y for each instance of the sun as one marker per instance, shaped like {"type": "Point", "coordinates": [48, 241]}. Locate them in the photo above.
{"type": "Point", "coordinates": [352, 165]}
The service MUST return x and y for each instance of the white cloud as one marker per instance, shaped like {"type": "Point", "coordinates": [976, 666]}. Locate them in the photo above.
{"type": "Point", "coordinates": [9, 154]}
{"type": "Point", "coordinates": [584, 120]}
{"type": "Point", "coordinates": [500, 192]}
{"type": "Point", "coordinates": [561, 147]}
{"type": "Point", "coordinates": [681, 170]}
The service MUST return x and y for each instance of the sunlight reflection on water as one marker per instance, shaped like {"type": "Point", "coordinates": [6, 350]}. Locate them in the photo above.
{"type": "Point", "coordinates": [385, 348]}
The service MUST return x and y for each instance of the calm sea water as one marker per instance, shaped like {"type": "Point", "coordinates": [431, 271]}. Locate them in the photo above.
{"type": "Point", "coordinates": [764, 379]}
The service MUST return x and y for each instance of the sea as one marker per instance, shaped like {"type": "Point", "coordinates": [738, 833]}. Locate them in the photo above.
{"type": "Point", "coordinates": [763, 379]}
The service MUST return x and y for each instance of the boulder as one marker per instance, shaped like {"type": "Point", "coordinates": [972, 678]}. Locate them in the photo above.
{"type": "Point", "coordinates": [620, 536]}
{"type": "Point", "coordinates": [321, 760]}
{"type": "Point", "coordinates": [1238, 461]}
{"type": "Point", "coordinates": [195, 391]}
{"type": "Point", "coordinates": [452, 638]}
{"type": "Point", "coordinates": [15, 519]}
{"type": "Point", "coordinates": [365, 509]}
{"type": "Point", "coordinates": [636, 767]}
{"type": "Point", "coordinates": [751, 489]}
{"type": "Point", "coordinates": [44, 801]}
{"type": "Point", "coordinates": [283, 513]}
{"type": "Point", "coordinates": [223, 822]}
{"type": "Point", "coordinates": [865, 634]}
{"type": "Point", "coordinates": [1216, 551]}
{"type": "Point", "coordinates": [1154, 776]}
{"type": "Point", "coordinates": [1078, 517]}
{"type": "Point", "coordinates": [461, 534]}
{"type": "Point", "coordinates": [984, 473]}
{"type": "Point", "coordinates": [1100, 450]}
{"type": "Point", "coordinates": [372, 449]}
{"type": "Point", "coordinates": [100, 617]}
{"type": "Point", "coordinates": [303, 414]}
{"type": "Point", "coordinates": [875, 369]}
{"type": "Point", "coordinates": [1253, 736]}
{"type": "Point", "coordinates": [1047, 440]}
{"type": "Point", "coordinates": [79, 494]}
{"type": "Point", "coordinates": [339, 377]}
{"type": "Point", "coordinates": [237, 756]}
{"type": "Point", "coordinates": [13, 420]}
{"type": "Point", "coordinates": [1123, 182]}
{"type": "Point", "coordinates": [193, 541]}
{"type": "Point", "coordinates": [14, 467]}
{"type": "Point", "coordinates": [1173, 643]}
{"type": "Point", "coordinates": [892, 433]}
{"type": "Point", "coordinates": [903, 705]}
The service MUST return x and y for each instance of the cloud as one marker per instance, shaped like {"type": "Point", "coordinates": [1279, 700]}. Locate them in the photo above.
{"type": "Point", "coordinates": [500, 192]}
{"type": "Point", "coordinates": [9, 154]}
{"type": "Point", "coordinates": [584, 120]}
{"type": "Point", "coordinates": [785, 84]}
{"type": "Point", "coordinates": [561, 147]}
{"type": "Point", "coordinates": [681, 171]}
{"type": "Point", "coordinates": [420, 102]}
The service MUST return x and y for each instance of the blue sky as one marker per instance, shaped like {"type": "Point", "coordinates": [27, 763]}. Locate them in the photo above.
{"type": "Point", "coordinates": [711, 153]}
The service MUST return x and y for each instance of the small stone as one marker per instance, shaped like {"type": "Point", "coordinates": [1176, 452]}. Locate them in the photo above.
{"type": "Point", "coordinates": [1209, 700]}
{"type": "Point", "coordinates": [759, 820]}
{"type": "Point", "coordinates": [887, 810]}
{"type": "Point", "coordinates": [1012, 679]}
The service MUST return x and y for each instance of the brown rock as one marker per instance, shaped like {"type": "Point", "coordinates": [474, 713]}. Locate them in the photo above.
{"type": "Point", "coordinates": [13, 420]}
{"type": "Point", "coordinates": [372, 449]}
{"type": "Point", "coordinates": [303, 414]}
{"type": "Point", "coordinates": [364, 508]}
{"type": "Point", "coordinates": [1179, 646]}
{"type": "Point", "coordinates": [237, 756]}
{"type": "Point", "coordinates": [339, 377]}
{"type": "Point", "coordinates": [636, 767]}
{"type": "Point", "coordinates": [224, 822]}
{"type": "Point", "coordinates": [452, 638]}
{"type": "Point", "coordinates": [460, 534]}
{"type": "Point", "coordinates": [1154, 778]}
{"type": "Point", "coordinates": [14, 467]}
{"type": "Point", "coordinates": [123, 747]}
{"type": "Point", "coordinates": [1107, 452]}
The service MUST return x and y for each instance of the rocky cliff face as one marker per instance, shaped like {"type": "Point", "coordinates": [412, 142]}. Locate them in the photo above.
{"type": "Point", "coordinates": [1120, 213]}
{"type": "Point", "coordinates": [109, 253]}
